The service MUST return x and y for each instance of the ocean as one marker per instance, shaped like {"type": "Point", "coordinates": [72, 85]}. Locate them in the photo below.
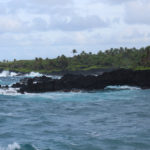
{"type": "Point", "coordinates": [116, 118]}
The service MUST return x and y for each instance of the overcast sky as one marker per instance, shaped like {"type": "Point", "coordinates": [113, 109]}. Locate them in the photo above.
{"type": "Point", "coordinates": [48, 28]}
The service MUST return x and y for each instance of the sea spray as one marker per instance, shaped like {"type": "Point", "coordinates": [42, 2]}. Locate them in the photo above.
{"type": "Point", "coordinates": [124, 87]}
{"type": "Point", "coordinates": [34, 74]}
{"type": "Point", "coordinates": [37, 74]}
{"type": "Point", "coordinates": [14, 146]}
{"type": "Point", "coordinates": [13, 74]}
{"type": "Point", "coordinates": [9, 91]}
{"type": "Point", "coordinates": [7, 74]}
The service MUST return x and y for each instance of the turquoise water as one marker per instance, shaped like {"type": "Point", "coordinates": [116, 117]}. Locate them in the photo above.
{"type": "Point", "coordinates": [117, 118]}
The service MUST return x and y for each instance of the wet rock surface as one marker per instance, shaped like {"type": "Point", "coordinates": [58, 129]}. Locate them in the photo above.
{"type": "Point", "coordinates": [71, 82]}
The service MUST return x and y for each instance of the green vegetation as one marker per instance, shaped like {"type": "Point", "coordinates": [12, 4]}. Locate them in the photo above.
{"type": "Point", "coordinates": [138, 59]}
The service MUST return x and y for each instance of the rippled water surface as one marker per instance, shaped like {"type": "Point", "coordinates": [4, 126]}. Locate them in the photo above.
{"type": "Point", "coordinates": [111, 119]}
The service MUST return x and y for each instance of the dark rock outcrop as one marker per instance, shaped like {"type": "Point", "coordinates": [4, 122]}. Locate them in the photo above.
{"type": "Point", "coordinates": [73, 82]}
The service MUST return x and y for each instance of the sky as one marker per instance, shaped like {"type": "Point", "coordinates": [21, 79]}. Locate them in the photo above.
{"type": "Point", "coordinates": [48, 28]}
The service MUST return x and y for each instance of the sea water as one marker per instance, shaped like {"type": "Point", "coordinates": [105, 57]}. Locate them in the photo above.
{"type": "Point", "coordinates": [116, 118]}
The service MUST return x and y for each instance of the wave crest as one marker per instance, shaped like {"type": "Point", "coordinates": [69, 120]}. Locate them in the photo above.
{"type": "Point", "coordinates": [37, 74]}
{"type": "Point", "coordinates": [7, 74]}
{"type": "Point", "coordinates": [34, 74]}
{"type": "Point", "coordinates": [9, 91]}
{"type": "Point", "coordinates": [16, 146]}
{"type": "Point", "coordinates": [122, 87]}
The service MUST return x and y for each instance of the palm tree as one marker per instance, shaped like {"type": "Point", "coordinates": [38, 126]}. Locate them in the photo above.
{"type": "Point", "coordinates": [74, 51]}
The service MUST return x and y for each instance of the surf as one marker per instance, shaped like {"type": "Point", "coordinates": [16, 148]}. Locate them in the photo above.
{"type": "Point", "coordinates": [8, 74]}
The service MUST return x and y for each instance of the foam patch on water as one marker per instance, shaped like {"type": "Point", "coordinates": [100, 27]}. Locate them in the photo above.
{"type": "Point", "coordinates": [54, 95]}
{"type": "Point", "coordinates": [37, 74]}
{"type": "Point", "coordinates": [14, 146]}
{"type": "Point", "coordinates": [54, 76]}
{"type": "Point", "coordinates": [13, 74]}
{"type": "Point", "coordinates": [34, 74]}
{"type": "Point", "coordinates": [9, 91]}
{"type": "Point", "coordinates": [124, 87]}
{"type": "Point", "coordinates": [7, 74]}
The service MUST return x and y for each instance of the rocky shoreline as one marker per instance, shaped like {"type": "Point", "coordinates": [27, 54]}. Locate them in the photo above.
{"type": "Point", "coordinates": [70, 82]}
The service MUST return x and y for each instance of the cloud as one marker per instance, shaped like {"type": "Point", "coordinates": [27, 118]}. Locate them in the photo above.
{"type": "Point", "coordinates": [138, 12]}
{"type": "Point", "coordinates": [39, 24]}
{"type": "Point", "coordinates": [57, 26]}
{"type": "Point", "coordinates": [77, 23]}
{"type": "Point", "coordinates": [36, 6]}
{"type": "Point", "coordinates": [51, 2]}
{"type": "Point", "coordinates": [9, 24]}
{"type": "Point", "coordinates": [118, 2]}
{"type": "Point", "coordinates": [46, 15]}
{"type": "Point", "coordinates": [27, 22]}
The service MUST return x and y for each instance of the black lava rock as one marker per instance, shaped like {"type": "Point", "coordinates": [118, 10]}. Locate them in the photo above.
{"type": "Point", "coordinates": [71, 82]}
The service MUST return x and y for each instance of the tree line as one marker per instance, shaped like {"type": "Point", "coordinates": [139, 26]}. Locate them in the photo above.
{"type": "Point", "coordinates": [112, 58]}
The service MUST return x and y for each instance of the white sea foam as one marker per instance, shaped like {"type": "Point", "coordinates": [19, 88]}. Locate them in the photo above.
{"type": "Point", "coordinates": [37, 74]}
{"type": "Point", "coordinates": [54, 76]}
{"type": "Point", "coordinates": [53, 95]}
{"type": "Point", "coordinates": [34, 74]}
{"type": "Point", "coordinates": [4, 73]}
{"type": "Point", "coordinates": [124, 87]}
{"type": "Point", "coordinates": [12, 74]}
{"type": "Point", "coordinates": [9, 91]}
{"type": "Point", "coordinates": [7, 74]}
{"type": "Point", "coordinates": [14, 146]}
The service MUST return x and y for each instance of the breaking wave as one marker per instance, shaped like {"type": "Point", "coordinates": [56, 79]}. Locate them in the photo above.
{"type": "Point", "coordinates": [31, 74]}
{"type": "Point", "coordinates": [16, 146]}
{"type": "Point", "coordinates": [12, 74]}
{"type": "Point", "coordinates": [7, 74]}
{"type": "Point", "coordinates": [124, 87]}
{"type": "Point", "coordinates": [37, 74]}
{"type": "Point", "coordinates": [34, 74]}
{"type": "Point", "coordinates": [9, 91]}
{"type": "Point", "coordinates": [54, 76]}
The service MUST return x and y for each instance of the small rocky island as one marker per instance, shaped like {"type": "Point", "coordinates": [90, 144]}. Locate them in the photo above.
{"type": "Point", "coordinates": [71, 82]}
